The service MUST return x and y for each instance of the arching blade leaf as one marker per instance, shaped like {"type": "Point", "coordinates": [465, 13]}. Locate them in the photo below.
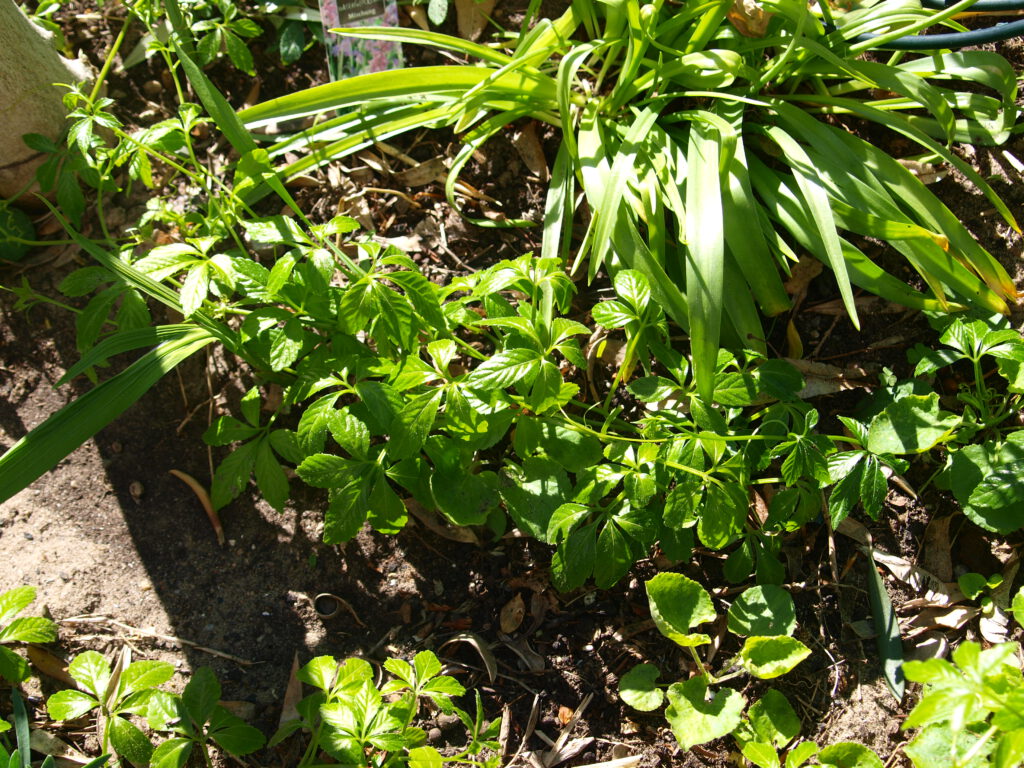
{"type": "Point", "coordinates": [46, 445]}
{"type": "Point", "coordinates": [705, 240]}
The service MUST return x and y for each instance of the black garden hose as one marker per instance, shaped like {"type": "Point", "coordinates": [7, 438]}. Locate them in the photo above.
{"type": "Point", "coordinates": [993, 34]}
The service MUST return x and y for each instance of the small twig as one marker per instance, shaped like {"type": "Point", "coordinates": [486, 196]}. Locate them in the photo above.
{"type": "Point", "coordinates": [97, 619]}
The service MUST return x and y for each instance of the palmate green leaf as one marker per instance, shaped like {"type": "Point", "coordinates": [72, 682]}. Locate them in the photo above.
{"type": "Point", "coordinates": [69, 704]}
{"type": "Point", "coordinates": [173, 753]}
{"type": "Point", "coordinates": [997, 501]}
{"type": "Point", "coordinates": [533, 493]}
{"type": "Point", "coordinates": [574, 559]}
{"type": "Point", "coordinates": [414, 422]}
{"type": "Point", "coordinates": [45, 446]}
{"type": "Point", "coordinates": [912, 424]}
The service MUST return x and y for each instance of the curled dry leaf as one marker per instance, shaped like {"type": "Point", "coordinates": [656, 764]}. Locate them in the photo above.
{"type": "Point", "coordinates": [995, 626]}
{"type": "Point", "coordinates": [46, 743]}
{"type": "Point", "coordinates": [935, 590]}
{"type": "Point", "coordinates": [292, 694]}
{"type": "Point", "coordinates": [801, 274]}
{"type": "Point", "coordinates": [564, 714]}
{"type": "Point", "coordinates": [512, 614]}
{"type": "Point", "coordinates": [939, 617]}
{"type": "Point", "coordinates": [431, 523]}
{"type": "Point", "coordinates": [481, 646]}
{"type": "Point", "coordinates": [327, 606]}
{"type": "Point", "coordinates": [204, 499]}
{"type": "Point", "coordinates": [825, 379]}
{"type": "Point", "coordinates": [749, 17]}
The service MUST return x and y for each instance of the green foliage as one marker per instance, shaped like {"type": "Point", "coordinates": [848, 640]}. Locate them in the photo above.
{"type": "Point", "coordinates": [679, 128]}
{"type": "Point", "coordinates": [20, 629]}
{"type": "Point", "coordinates": [358, 723]}
{"type": "Point", "coordinates": [133, 690]}
{"type": "Point", "coordinates": [970, 712]}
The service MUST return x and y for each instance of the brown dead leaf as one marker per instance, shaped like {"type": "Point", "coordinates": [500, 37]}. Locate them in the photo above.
{"type": "Point", "coordinates": [867, 305]}
{"type": "Point", "coordinates": [418, 14]}
{"type": "Point", "coordinates": [948, 617]}
{"type": "Point", "coordinates": [801, 275]}
{"type": "Point", "coordinates": [423, 173]}
{"type": "Point", "coordinates": [51, 666]}
{"type": "Point", "coordinates": [825, 379]}
{"type": "Point", "coordinates": [490, 663]}
{"type": "Point", "coordinates": [531, 151]}
{"type": "Point", "coordinates": [243, 709]}
{"type": "Point", "coordinates": [512, 614]}
{"type": "Point", "coordinates": [292, 694]}
{"type": "Point", "coordinates": [749, 17]}
{"type": "Point", "coordinates": [564, 714]}
{"type": "Point", "coordinates": [429, 520]}
{"type": "Point", "coordinates": [46, 743]}
{"type": "Point", "coordinates": [935, 590]}
{"type": "Point", "coordinates": [935, 553]}
{"type": "Point", "coordinates": [472, 17]}
{"type": "Point", "coordinates": [204, 499]}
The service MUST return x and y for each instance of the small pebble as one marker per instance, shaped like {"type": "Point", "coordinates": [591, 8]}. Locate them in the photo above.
{"type": "Point", "coordinates": [434, 734]}
{"type": "Point", "coordinates": [29, 536]}
{"type": "Point", "coordinates": [152, 88]}
{"type": "Point", "coordinates": [136, 489]}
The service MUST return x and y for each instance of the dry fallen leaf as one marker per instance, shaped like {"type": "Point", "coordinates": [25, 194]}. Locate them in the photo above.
{"type": "Point", "coordinates": [204, 499]}
{"type": "Point", "coordinates": [423, 173]}
{"type": "Point", "coordinates": [490, 663]}
{"type": "Point", "coordinates": [800, 276]}
{"type": "Point", "coordinates": [825, 379]}
{"type": "Point", "coordinates": [935, 553]}
{"type": "Point", "coordinates": [564, 714]}
{"type": "Point", "coordinates": [46, 743]}
{"type": "Point", "coordinates": [472, 17]}
{"type": "Point", "coordinates": [749, 17]}
{"type": "Point", "coordinates": [512, 614]}
{"type": "Point", "coordinates": [935, 590]}
{"type": "Point", "coordinates": [532, 152]}
{"type": "Point", "coordinates": [51, 666]}
{"type": "Point", "coordinates": [940, 617]}
{"type": "Point", "coordinates": [292, 694]}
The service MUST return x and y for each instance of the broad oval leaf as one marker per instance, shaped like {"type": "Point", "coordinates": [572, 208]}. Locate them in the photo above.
{"type": "Point", "coordinates": [765, 610]}
{"type": "Point", "coordinates": [770, 657]}
{"type": "Point", "coordinates": [694, 720]}
{"type": "Point", "coordinates": [639, 690]}
{"type": "Point", "coordinates": [677, 604]}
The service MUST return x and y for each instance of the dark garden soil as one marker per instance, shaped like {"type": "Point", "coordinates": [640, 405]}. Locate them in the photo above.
{"type": "Point", "coordinates": [123, 555]}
